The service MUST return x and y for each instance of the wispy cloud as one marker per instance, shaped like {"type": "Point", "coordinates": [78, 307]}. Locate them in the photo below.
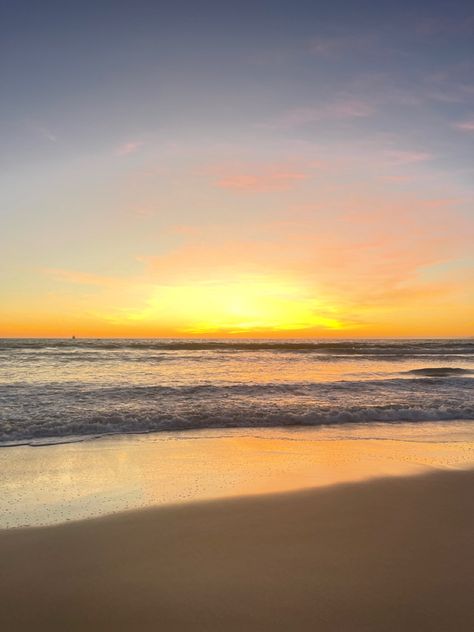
{"type": "Point", "coordinates": [363, 248]}
{"type": "Point", "coordinates": [334, 45]}
{"type": "Point", "coordinates": [435, 26]}
{"type": "Point", "coordinates": [465, 126]}
{"type": "Point", "coordinates": [369, 260]}
{"type": "Point", "coordinates": [44, 131]}
{"type": "Point", "coordinates": [129, 147]}
{"type": "Point", "coordinates": [82, 278]}
{"type": "Point", "coordinates": [397, 178]}
{"type": "Point", "coordinates": [38, 128]}
{"type": "Point", "coordinates": [263, 181]}
{"type": "Point", "coordinates": [339, 109]}
{"type": "Point", "coordinates": [397, 157]}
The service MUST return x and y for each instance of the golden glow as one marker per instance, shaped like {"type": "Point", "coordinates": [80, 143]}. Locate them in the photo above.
{"type": "Point", "coordinates": [260, 307]}
{"type": "Point", "coordinates": [350, 274]}
{"type": "Point", "coordinates": [243, 306]}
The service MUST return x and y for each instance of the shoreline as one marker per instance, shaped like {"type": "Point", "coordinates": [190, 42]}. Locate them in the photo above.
{"type": "Point", "coordinates": [73, 481]}
{"type": "Point", "coordinates": [123, 434]}
{"type": "Point", "coordinates": [385, 554]}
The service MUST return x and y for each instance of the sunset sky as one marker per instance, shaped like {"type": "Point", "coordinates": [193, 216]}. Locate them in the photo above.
{"type": "Point", "coordinates": [254, 169]}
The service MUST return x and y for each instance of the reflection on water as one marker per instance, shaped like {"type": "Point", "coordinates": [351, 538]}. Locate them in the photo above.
{"type": "Point", "coordinates": [65, 482]}
{"type": "Point", "coordinates": [52, 390]}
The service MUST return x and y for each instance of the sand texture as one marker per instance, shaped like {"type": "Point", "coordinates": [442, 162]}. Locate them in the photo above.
{"type": "Point", "coordinates": [390, 554]}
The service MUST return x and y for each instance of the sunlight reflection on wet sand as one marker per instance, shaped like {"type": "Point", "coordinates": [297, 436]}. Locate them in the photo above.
{"type": "Point", "coordinates": [54, 484]}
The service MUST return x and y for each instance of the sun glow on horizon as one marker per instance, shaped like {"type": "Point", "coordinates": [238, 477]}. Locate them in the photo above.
{"type": "Point", "coordinates": [228, 181]}
{"type": "Point", "coordinates": [237, 307]}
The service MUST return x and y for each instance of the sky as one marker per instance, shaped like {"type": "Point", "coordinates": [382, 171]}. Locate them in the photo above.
{"type": "Point", "coordinates": [237, 169]}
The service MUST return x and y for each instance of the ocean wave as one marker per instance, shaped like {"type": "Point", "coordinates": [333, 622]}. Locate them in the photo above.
{"type": "Point", "coordinates": [108, 424]}
{"type": "Point", "coordinates": [390, 349]}
{"type": "Point", "coordinates": [290, 388]}
{"type": "Point", "coordinates": [443, 371]}
{"type": "Point", "coordinates": [460, 382]}
{"type": "Point", "coordinates": [50, 392]}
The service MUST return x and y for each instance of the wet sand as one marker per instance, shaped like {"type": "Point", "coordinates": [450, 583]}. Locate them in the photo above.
{"type": "Point", "coordinates": [389, 554]}
{"type": "Point", "coordinates": [76, 481]}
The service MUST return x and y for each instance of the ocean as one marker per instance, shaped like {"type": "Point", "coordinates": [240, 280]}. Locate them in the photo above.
{"type": "Point", "coordinates": [54, 391]}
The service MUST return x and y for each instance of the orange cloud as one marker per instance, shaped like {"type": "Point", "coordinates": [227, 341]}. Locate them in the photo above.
{"type": "Point", "coordinates": [350, 263]}
{"type": "Point", "coordinates": [366, 251]}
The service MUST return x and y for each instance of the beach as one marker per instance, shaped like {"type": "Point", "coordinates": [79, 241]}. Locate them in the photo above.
{"type": "Point", "coordinates": [350, 528]}
{"type": "Point", "coordinates": [76, 480]}
{"type": "Point", "coordinates": [387, 554]}
{"type": "Point", "coordinates": [236, 317]}
{"type": "Point", "coordinates": [181, 485]}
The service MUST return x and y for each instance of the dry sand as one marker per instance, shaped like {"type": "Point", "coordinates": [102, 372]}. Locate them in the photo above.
{"type": "Point", "coordinates": [391, 554]}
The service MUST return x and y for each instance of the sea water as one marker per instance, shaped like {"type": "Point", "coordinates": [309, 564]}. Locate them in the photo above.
{"type": "Point", "coordinates": [53, 391]}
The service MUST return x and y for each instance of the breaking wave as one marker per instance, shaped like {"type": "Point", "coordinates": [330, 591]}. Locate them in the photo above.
{"type": "Point", "coordinates": [148, 422]}
{"type": "Point", "coordinates": [442, 371]}
{"type": "Point", "coordinates": [64, 390]}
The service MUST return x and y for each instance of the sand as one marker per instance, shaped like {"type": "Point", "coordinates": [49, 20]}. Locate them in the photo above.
{"type": "Point", "coordinates": [389, 554]}
{"type": "Point", "coordinates": [55, 483]}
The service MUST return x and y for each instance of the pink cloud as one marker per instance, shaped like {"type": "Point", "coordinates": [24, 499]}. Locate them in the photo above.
{"type": "Point", "coordinates": [465, 126]}
{"type": "Point", "coordinates": [360, 250]}
{"type": "Point", "coordinates": [129, 148]}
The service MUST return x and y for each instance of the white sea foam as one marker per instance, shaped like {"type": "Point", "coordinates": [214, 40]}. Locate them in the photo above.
{"type": "Point", "coordinates": [62, 390]}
